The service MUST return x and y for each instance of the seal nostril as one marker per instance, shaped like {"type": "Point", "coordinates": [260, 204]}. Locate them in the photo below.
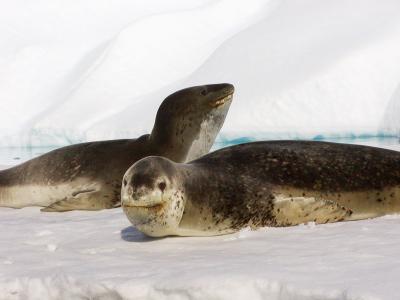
{"type": "Point", "coordinates": [162, 186]}
{"type": "Point", "coordinates": [124, 182]}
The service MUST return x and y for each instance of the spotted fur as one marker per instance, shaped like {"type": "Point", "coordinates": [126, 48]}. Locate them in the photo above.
{"type": "Point", "coordinates": [281, 183]}
{"type": "Point", "coordinates": [186, 125]}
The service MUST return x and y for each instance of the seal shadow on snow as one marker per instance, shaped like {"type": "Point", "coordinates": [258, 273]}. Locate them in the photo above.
{"type": "Point", "coordinates": [131, 234]}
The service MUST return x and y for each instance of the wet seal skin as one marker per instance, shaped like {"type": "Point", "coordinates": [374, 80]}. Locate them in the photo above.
{"type": "Point", "coordinates": [88, 176]}
{"type": "Point", "coordinates": [272, 183]}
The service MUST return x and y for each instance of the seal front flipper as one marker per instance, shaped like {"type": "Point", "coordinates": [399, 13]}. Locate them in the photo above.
{"type": "Point", "coordinates": [83, 200]}
{"type": "Point", "coordinates": [290, 211]}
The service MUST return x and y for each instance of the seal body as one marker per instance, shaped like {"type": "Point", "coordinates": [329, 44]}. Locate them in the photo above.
{"type": "Point", "coordinates": [88, 176]}
{"type": "Point", "coordinates": [274, 183]}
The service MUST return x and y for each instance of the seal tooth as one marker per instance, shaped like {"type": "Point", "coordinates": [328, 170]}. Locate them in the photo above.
{"type": "Point", "coordinates": [221, 101]}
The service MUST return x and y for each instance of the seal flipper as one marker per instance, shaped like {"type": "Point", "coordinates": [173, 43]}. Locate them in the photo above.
{"type": "Point", "coordinates": [82, 200]}
{"type": "Point", "coordinates": [297, 210]}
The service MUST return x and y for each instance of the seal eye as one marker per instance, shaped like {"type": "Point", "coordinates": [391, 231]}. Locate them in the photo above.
{"type": "Point", "coordinates": [203, 92]}
{"type": "Point", "coordinates": [162, 186]}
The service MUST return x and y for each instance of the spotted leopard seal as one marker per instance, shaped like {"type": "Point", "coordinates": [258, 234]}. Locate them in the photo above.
{"type": "Point", "coordinates": [88, 176]}
{"type": "Point", "coordinates": [271, 183]}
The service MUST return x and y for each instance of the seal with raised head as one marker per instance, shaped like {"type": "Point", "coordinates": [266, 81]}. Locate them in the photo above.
{"type": "Point", "coordinates": [273, 183]}
{"type": "Point", "coordinates": [88, 176]}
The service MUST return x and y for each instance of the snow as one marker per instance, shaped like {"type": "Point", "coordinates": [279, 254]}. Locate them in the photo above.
{"type": "Point", "coordinates": [66, 79]}
{"type": "Point", "coordinates": [99, 69]}
{"type": "Point", "coordinates": [99, 255]}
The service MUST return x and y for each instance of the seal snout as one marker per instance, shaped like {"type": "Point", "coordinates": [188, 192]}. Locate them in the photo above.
{"type": "Point", "coordinates": [143, 186]}
{"type": "Point", "coordinates": [220, 93]}
{"type": "Point", "coordinates": [221, 101]}
{"type": "Point", "coordinates": [142, 196]}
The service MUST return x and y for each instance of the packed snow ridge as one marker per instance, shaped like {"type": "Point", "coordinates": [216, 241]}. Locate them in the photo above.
{"type": "Point", "coordinates": [92, 70]}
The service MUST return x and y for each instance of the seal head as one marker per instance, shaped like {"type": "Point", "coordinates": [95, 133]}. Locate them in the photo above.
{"type": "Point", "coordinates": [151, 196]}
{"type": "Point", "coordinates": [189, 120]}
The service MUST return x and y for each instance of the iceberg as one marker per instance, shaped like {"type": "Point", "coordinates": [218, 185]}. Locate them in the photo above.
{"type": "Point", "coordinates": [303, 69]}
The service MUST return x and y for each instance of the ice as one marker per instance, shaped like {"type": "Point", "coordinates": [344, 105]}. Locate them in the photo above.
{"type": "Point", "coordinates": [52, 247]}
{"type": "Point", "coordinates": [63, 86]}
{"type": "Point", "coordinates": [44, 233]}
{"type": "Point", "coordinates": [47, 49]}
{"type": "Point", "coordinates": [303, 69]}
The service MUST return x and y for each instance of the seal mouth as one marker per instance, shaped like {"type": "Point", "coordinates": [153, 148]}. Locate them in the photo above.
{"type": "Point", "coordinates": [154, 207]}
{"type": "Point", "coordinates": [221, 101]}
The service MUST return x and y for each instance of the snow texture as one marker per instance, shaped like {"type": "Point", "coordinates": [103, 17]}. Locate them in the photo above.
{"type": "Point", "coordinates": [87, 70]}
{"type": "Point", "coordinates": [73, 71]}
{"type": "Point", "coordinates": [81, 255]}
{"type": "Point", "coordinates": [98, 255]}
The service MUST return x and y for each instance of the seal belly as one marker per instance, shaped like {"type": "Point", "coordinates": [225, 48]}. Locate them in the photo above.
{"type": "Point", "coordinates": [19, 196]}
{"type": "Point", "coordinates": [22, 195]}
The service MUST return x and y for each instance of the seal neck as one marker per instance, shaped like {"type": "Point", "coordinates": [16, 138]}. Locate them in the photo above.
{"type": "Point", "coordinates": [167, 145]}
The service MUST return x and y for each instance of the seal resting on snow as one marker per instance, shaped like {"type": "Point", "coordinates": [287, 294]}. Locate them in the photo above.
{"type": "Point", "coordinates": [88, 176]}
{"type": "Point", "coordinates": [272, 183]}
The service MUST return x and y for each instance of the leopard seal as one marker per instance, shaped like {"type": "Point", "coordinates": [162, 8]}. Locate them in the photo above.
{"type": "Point", "coordinates": [88, 176]}
{"type": "Point", "coordinates": [270, 183]}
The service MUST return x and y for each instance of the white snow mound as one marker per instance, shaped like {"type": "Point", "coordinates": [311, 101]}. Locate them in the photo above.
{"type": "Point", "coordinates": [100, 69]}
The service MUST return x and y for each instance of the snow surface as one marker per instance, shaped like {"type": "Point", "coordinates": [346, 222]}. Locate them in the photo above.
{"type": "Point", "coordinates": [98, 255]}
{"type": "Point", "coordinates": [97, 69]}
{"type": "Point", "coordinates": [73, 71]}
